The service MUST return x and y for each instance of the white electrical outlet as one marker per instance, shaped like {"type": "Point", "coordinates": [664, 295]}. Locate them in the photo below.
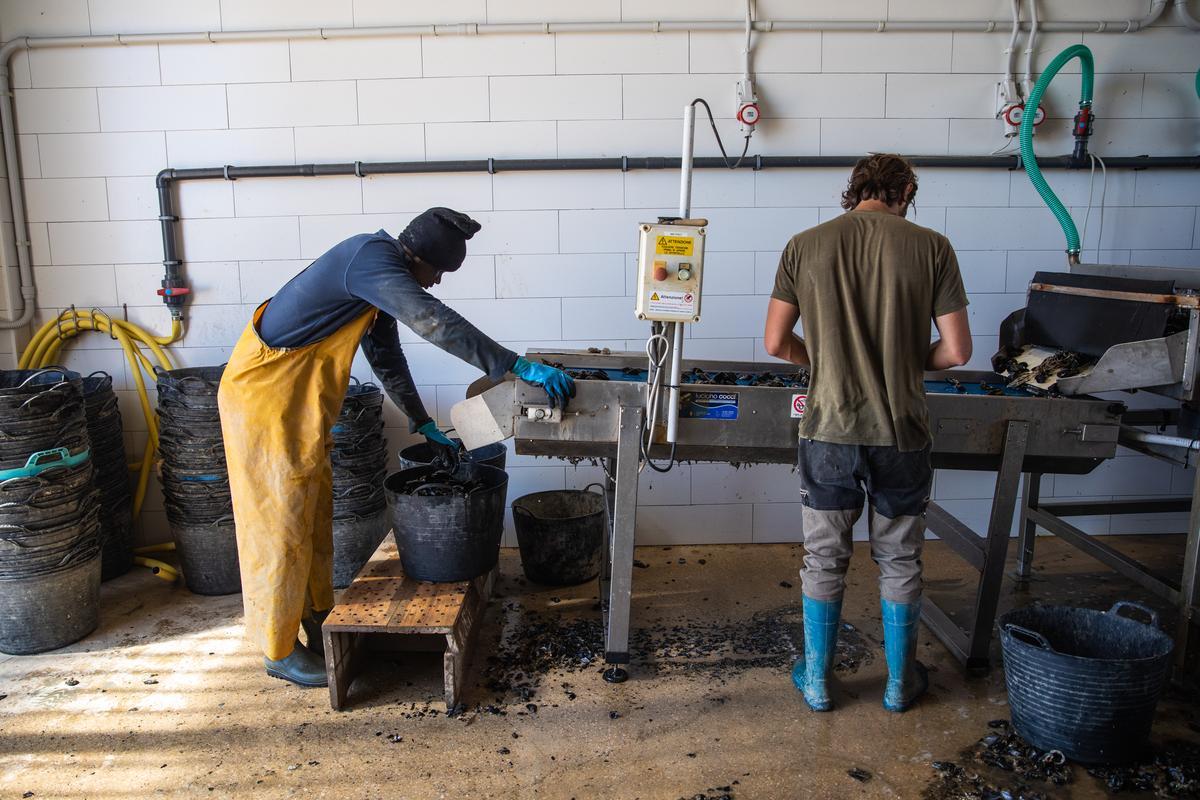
{"type": "Point", "coordinates": [1015, 113]}
{"type": "Point", "coordinates": [746, 106]}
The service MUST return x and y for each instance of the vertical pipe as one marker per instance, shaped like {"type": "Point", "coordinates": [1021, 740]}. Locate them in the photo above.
{"type": "Point", "coordinates": [685, 175]}
{"type": "Point", "coordinates": [676, 369]}
{"type": "Point", "coordinates": [13, 163]}
{"type": "Point", "coordinates": [685, 210]}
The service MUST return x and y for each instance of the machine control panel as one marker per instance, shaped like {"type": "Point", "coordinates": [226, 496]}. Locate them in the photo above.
{"type": "Point", "coordinates": [670, 270]}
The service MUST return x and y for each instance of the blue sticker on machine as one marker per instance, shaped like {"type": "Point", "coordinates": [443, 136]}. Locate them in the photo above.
{"type": "Point", "coordinates": [708, 405]}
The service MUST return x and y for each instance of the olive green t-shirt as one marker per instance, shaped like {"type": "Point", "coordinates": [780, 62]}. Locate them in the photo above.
{"type": "Point", "coordinates": [868, 285]}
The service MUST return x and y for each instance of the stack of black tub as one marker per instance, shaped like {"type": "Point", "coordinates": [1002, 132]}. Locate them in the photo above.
{"type": "Point", "coordinates": [359, 467]}
{"type": "Point", "coordinates": [111, 474]}
{"type": "Point", "coordinates": [49, 513]}
{"type": "Point", "coordinates": [195, 479]}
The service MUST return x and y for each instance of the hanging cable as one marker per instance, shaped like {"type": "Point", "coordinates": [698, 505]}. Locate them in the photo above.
{"type": "Point", "coordinates": [1007, 144]}
{"type": "Point", "coordinates": [1103, 192]}
{"type": "Point", "coordinates": [716, 133]}
{"type": "Point", "coordinates": [657, 347]}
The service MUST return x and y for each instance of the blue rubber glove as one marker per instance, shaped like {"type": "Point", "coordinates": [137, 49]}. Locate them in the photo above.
{"type": "Point", "coordinates": [559, 386]}
{"type": "Point", "coordinates": [445, 449]}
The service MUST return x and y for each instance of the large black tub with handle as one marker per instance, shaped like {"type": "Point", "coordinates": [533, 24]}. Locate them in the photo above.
{"type": "Point", "coordinates": [422, 454]}
{"type": "Point", "coordinates": [446, 536]}
{"type": "Point", "coordinates": [561, 534]}
{"type": "Point", "coordinates": [1084, 682]}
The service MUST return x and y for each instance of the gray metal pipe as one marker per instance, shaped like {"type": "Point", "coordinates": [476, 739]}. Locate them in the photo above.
{"type": "Point", "coordinates": [172, 273]}
{"type": "Point", "coordinates": [1145, 437]}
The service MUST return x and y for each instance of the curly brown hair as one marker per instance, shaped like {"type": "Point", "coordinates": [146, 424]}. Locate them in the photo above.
{"type": "Point", "coordinates": [880, 176]}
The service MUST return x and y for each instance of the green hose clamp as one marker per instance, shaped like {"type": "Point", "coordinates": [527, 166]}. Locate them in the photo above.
{"type": "Point", "coordinates": [44, 460]}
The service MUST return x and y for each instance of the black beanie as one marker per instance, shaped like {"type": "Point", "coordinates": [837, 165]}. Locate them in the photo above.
{"type": "Point", "coordinates": [439, 236]}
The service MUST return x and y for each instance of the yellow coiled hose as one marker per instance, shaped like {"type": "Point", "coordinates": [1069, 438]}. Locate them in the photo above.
{"type": "Point", "coordinates": [42, 351]}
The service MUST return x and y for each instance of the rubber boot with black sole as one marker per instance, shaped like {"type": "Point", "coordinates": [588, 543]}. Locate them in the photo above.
{"type": "Point", "coordinates": [811, 674]}
{"type": "Point", "coordinates": [907, 677]}
{"type": "Point", "coordinates": [301, 667]}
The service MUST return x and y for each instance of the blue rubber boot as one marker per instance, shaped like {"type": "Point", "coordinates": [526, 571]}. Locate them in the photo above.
{"type": "Point", "coordinates": [811, 673]}
{"type": "Point", "coordinates": [907, 677]}
{"type": "Point", "coordinates": [302, 667]}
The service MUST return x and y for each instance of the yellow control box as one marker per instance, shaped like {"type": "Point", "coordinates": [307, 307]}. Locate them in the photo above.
{"type": "Point", "coordinates": [670, 270]}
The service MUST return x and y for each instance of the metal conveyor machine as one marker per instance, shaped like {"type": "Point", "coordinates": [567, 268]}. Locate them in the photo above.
{"type": "Point", "coordinates": [748, 413]}
{"type": "Point", "coordinates": [1104, 328]}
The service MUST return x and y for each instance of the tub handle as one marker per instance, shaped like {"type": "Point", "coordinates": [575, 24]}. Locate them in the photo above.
{"type": "Point", "coordinates": [603, 491]}
{"type": "Point", "coordinates": [1149, 612]}
{"type": "Point", "coordinates": [47, 371]}
{"type": "Point", "coordinates": [1025, 633]}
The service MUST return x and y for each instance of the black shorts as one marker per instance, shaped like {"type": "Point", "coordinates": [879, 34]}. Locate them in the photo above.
{"type": "Point", "coordinates": [839, 477]}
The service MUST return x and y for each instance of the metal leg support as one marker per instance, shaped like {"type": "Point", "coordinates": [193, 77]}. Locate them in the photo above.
{"type": "Point", "coordinates": [1031, 497]}
{"type": "Point", "coordinates": [1187, 637]}
{"type": "Point", "coordinates": [971, 646]}
{"type": "Point", "coordinates": [623, 513]}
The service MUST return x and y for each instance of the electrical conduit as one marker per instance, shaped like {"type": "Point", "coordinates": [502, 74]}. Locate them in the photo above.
{"type": "Point", "coordinates": [1029, 158]}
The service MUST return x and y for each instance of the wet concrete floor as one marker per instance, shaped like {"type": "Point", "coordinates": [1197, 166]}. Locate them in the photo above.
{"type": "Point", "coordinates": [167, 700]}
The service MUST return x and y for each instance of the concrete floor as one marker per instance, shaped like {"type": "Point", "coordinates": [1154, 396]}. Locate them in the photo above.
{"type": "Point", "coordinates": [170, 700]}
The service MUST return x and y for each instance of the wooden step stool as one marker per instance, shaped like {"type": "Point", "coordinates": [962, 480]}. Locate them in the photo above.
{"type": "Point", "coordinates": [384, 610]}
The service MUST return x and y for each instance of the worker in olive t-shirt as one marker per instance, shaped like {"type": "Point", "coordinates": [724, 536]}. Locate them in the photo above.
{"type": "Point", "coordinates": [867, 286]}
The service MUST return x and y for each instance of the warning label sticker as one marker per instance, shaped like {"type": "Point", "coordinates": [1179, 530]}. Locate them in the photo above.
{"type": "Point", "coordinates": [799, 405]}
{"type": "Point", "coordinates": [673, 245]}
{"type": "Point", "coordinates": [662, 302]}
{"type": "Point", "coordinates": [708, 405]}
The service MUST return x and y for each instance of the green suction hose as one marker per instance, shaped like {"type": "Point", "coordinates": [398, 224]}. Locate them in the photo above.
{"type": "Point", "coordinates": [1029, 159]}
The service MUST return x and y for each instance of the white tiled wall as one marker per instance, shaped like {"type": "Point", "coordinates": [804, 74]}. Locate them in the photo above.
{"type": "Point", "coordinates": [552, 265]}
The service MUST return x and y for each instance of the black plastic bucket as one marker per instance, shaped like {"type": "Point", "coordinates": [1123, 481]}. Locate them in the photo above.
{"type": "Point", "coordinates": [208, 555]}
{"type": "Point", "coordinates": [189, 387]}
{"type": "Point", "coordinates": [1084, 682]}
{"type": "Point", "coordinates": [355, 538]}
{"type": "Point", "coordinates": [116, 540]}
{"type": "Point", "coordinates": [561, 535]}
{"type": "Point", "coordinates": [46, 612]}
{"type": "Point", "coordinates": [447, 539]}
{"type": "Point", "coordinates": [421, 455]}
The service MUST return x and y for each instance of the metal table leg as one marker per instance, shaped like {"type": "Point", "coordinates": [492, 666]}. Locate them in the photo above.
{"type": "Point", "coordinates": [1032, 496]}
{"type": "Point", "coordinates": [1187, 637]}
{"type": "Point", "coordinates": [971, 646]}
{"type": "Point", "coordinates": [620, 550]}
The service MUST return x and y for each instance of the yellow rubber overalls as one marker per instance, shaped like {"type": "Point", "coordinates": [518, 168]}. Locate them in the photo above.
{"type": "Point", "coordinates": [278, 407]}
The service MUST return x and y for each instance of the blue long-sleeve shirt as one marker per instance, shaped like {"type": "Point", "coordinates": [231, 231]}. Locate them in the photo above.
{"type": "Point", "coordinates": [371, 270]}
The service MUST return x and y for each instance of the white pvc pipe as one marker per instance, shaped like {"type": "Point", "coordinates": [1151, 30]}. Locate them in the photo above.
{"type": "Point", "coordinates": [1185, 16]}
{"type": "Point", "coordinates": [1027, 83]}
{"type": "Point", "coordinates": [8, 122]}
{"type": "Point", "coordinates": [16, 195]}
{"type": "Point", "coordinates": [749, 28]}
{"type": "Point", "coordinates": [1138, 435]}
{"type": "Point", "coordinates": [676, 372]}
{"type": "Point", "coordinates": [1010, 65]}
{"type": "Point", "coordinates": [685, 211]}
{"type": "Point", "coordinates": [685, 174]}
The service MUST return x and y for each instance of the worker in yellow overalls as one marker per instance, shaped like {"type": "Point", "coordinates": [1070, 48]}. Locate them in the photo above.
{"type": "Point", "coordinates": [281, 393]}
